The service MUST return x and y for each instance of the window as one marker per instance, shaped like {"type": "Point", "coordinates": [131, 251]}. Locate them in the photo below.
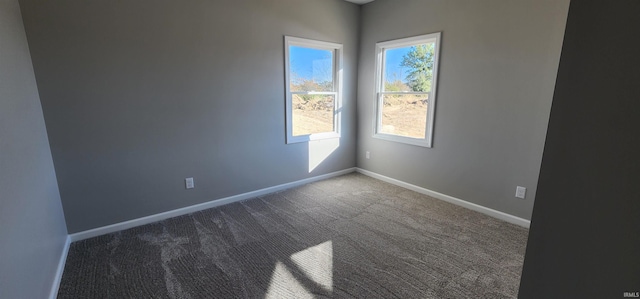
{"type": "Point", "coordinates": [313, 82]}
{"type": "Point", "coordinates": [406, 75]}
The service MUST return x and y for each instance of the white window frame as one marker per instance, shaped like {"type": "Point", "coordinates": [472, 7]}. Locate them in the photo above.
{"type": "Point", "coordinates": [337, 88]}
{"type": "Point", "coordinates": [379, 88]}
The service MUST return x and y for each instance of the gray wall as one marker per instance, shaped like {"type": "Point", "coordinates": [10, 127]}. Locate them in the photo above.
{"type": "Point", "coordinates": [584, 240]}
{"type": "Point", "coordinates": [138, 95]}
{"type": "Point", "coordinates": [498, 66]}
{"type": "Point", "coordinates": [32, 229]}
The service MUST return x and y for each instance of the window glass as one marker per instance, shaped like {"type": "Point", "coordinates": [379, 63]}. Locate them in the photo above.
{"type": "Point", "coordinates": [313, 89]}
{"type": "Point", "coordinates": [405, 99]}
{"type": "Point", "coordinates": [310, 69]}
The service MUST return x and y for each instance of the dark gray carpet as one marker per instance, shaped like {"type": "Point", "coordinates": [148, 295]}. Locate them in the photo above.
{"type": "Point", "coordinates": [350, 236]}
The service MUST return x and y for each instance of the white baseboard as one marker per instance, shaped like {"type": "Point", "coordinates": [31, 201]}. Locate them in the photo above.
{"type": "Point", "coordinates": [450, 199]}
{"type": "Point", "coordinates": [199, 207]}
{"type": "Point", "coordinates": [58, 277]}
{"type": "Point", "coordinates": [231, 199]}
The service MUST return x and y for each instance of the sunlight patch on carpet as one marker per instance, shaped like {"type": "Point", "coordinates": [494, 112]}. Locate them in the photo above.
{"type": "Point", "coordinates": [283, 284]}
{"type": "Point", "coordinates": [317, 263]}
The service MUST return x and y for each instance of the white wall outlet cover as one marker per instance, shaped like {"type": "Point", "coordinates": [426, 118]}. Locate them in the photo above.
{"type": "Point", "coordinates": [368, 154]}
{"type": "Point", "coordinates": [189, 183]}
{"type": "Point", "coordinates": [521, 192]}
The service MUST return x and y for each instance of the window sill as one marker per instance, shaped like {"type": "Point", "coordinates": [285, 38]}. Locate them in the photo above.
{"type": "Point", "coordinates": [312, 137]}
{"type": "Point", "coordinates": [406, 140]}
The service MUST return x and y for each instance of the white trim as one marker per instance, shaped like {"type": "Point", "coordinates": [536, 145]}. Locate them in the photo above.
{"type": "Point", "coordinates": [58, 277]}
{"type": "Point", "coordinates": [404, 93]}
{"type": "Point", "coordinates": [450, 199]}
{"type": "Point", "coordinates": [410, 41]}
{"type": "Point", "coordinates": [427, 141]}
{"type": "Point", "coordinates": [199, 207]}
{"type": "Point", "coordinates": [337, 88]}
{"type": "Point", "coordinates": [235, 198]}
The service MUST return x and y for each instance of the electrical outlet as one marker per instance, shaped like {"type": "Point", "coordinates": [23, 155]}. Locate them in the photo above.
{"type": "Point", "coordinates": [368, 154]}
{"type": "Point", "coordinates": [521, 192]}
{"type": "Point", "coordinates": [188, 182]}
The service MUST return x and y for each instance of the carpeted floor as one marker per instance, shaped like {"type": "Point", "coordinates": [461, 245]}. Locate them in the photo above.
{"type": "Point", "coordinates": [350, 236]}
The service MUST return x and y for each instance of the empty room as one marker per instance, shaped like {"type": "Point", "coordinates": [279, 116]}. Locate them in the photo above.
{"type": "Point", "coordinates": [319, 149]}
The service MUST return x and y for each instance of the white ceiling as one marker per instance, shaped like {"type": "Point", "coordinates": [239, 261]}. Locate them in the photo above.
{"type": "Point", "coordinates": [359, 1]}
